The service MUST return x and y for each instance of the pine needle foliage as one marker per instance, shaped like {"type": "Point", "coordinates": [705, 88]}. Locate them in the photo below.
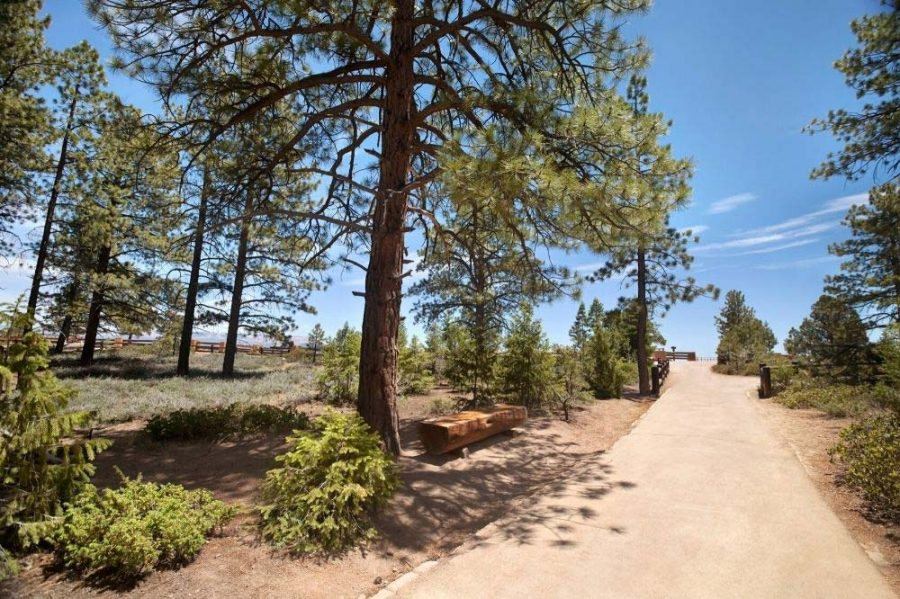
{"type": "Point", "coordinates": [43, 463]}
{"type": "Point", "coordinates": [126, 532]}
{"type": "Point", "coordinates": [330, 480]}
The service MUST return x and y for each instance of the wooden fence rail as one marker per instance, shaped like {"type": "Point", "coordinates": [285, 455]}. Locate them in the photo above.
{"type": "Point", "coordinates": [659, 372]}
{"type": "Point", "coordinates": [75, 344]}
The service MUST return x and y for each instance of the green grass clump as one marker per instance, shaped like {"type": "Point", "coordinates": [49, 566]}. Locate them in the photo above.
{"type": "Point", "coordinates": [329, 482]}
{"type": "Point", "coordinates": [223, 422]}
{"type": "Point", "coordinates": [127, 532]}
{"type": "Point", "coordinates": [870, 449]}
{"type": "Point", "coordinates": [837, 401]}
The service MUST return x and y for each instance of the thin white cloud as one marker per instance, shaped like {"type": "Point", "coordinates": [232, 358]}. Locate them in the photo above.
{"type": "Point", "coordinates": [779, 248]}
{"type": "Point", "coordinates": [695, 229]}
{"type": "Point", "coordinates": [831, 207]}
{"type": "Point", "coordinates": [798, 263]}
{"type": "Point", "coordinates": [730, 203]}
{"type": "Point", "coordinates": [754, 240]}
{"type": "Point", "coordinates": [589, 267]}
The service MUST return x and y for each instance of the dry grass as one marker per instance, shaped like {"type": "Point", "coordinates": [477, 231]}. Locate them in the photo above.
{"type": "Point", "coordinates": [127, 385]}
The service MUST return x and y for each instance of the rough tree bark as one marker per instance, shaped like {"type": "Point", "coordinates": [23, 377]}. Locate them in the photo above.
{"type": "Point", "coordinates": [381, 316]}
{"type": "Point", "coordinates": [187, 328]}
{"type": "Point", "coordinates": [642, 358]}
{"type": "Point", "coordinates": [97, 299]}
{"type": "Point", "coordinates": [44, 247]}
{"type": "Point", "coordinates": [66, 328]}
{"type": "Point", "coordinates": [237, 292]}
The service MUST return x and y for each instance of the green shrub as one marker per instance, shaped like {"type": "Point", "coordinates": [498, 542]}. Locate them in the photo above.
{"type": "Point", "coordinates": [126, 532]}
{"type": "Point", "coordinates": [43, 462]}
{"type": "Point", "coordinates": [222, 422]}
{"type": "Point", "coordinates": [441, 406]}
{"type": "Point", "coordinates": [871, 451]}
{"type": "Point", "coordinates": [330, 480]}
{"type": "Point", "coordinates": [835, 400]}
{"type": "Point", "coordinates": [738, 368]}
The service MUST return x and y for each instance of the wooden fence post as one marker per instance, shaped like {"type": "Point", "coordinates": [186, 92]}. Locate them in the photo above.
{"type": "Point", "coordinates": [654, 372]}
{"type": "Point", "coordinates": [765, 382]}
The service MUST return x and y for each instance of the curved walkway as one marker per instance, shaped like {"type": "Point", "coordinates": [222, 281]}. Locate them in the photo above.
{"type": "Point", "coordinates": [699, 500]}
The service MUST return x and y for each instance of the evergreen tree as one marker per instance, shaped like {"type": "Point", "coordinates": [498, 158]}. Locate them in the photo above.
{"type": "Point", "coordinates": [603, 368]}
{"type": "Point", "coordinates": [436, 346]}
{"type": "Point", "coordinates": [871, 135]}
{"type": "Point", "coordinates": [43, 463]}
{"type": "Point", "coordinates": [870, 275]}
{"type": "Point", "coordinates": [580, 330]}
{"type": "Point", "coordinates": [652, 255]}
{"type": "Point", "coordinates": [744, 339]}
{"type": "Point", "coordinates": [315, 340]}
{"type": "Point", "coordinates": [624, 318]}
{"type": "Point", "coordinates": [415, 86]}
{"type": "Point", "coordinates": [338, 377]}
{"type": "Point", "coordinates": [527, 364]}
{"type": "Point", "coordinates": [25, 130]}
{"type": "Point", "coordinates": [415, 375]}
{"type": "Point", "coordinates": [117, 228]}
{"type": "Point", "coordinates": [79, 104]}
{"type": "Point", "coordinates": [471, 367]}
{"type": "Point", "coordinates": [478, 273]}
{"type": "Point", "coordinates": [833, 340]}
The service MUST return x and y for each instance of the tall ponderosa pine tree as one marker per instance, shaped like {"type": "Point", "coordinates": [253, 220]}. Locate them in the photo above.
{"type": "Point", "coordinates": [870, 276]}
{"type": "Point", "coordinates": [115, 230]}
{"type": "Point", "coordinates": [79, 103]}
{"type": "Point", "coordinates": [651, 257]}
{"type": "Point", "coordinates": [25, 129]}
{"type": "Point", "coordinates": [403, 82]}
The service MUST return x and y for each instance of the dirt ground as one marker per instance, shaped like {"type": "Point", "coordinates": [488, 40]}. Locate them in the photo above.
{"type": "Point", "coordinates": [809, 434]}
{"type": "Point", "coordinates": [443, 500]}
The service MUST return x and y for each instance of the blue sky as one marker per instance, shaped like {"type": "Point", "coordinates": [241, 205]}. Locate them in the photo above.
{"type": "Point", "coordinates": [740, 80]}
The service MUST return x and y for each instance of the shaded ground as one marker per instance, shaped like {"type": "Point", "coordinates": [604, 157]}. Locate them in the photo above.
{"type": "Point", "coordinates": [809, 434]}
{"type": "Point", "coordinates": [443, 501]}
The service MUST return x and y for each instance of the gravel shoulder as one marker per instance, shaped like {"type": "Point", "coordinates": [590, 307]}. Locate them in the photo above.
{"type": "Point", "coordinates": [809, 434]}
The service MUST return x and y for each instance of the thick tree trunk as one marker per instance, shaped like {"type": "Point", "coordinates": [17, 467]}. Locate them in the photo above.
{"type": "Point", "coordinates": [237, 292]}
{"type": "Point", "coordinates": [642, 358]}
{"type": "Point", "coordinates": [381, 316]}
{"type": "Point", "coordinates": [97, 299]}
{"type": "Point", "coordinates": [190, 305]}
{"type": "Point", "coordinates": [66, 328]}
{"type": "Point", "coordinates": [44, 247]}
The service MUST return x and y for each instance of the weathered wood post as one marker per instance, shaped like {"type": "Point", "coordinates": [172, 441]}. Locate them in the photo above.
{"type": "Point", "coordinates": [654, 375]}
{"type": "Point", "coordinates": [765, 382]}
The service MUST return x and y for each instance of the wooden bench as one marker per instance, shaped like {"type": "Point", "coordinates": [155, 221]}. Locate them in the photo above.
{"type": "Point", "coordinates": [446, 433]}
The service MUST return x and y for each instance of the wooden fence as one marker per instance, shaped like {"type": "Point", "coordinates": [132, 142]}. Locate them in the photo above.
{"type": "Point", "coordinates": [76, 343]}
{"type": "Point", "coordinates": [658, 374]}
{"type": "Point", "coordinates": [661, 355]}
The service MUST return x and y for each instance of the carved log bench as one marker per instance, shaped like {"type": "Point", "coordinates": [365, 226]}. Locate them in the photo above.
{"type": "Point", "coordinates": [446, 433]}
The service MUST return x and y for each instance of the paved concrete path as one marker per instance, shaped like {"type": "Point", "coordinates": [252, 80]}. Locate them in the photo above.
{"type": "Point", "coordinates": [699, 500]}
